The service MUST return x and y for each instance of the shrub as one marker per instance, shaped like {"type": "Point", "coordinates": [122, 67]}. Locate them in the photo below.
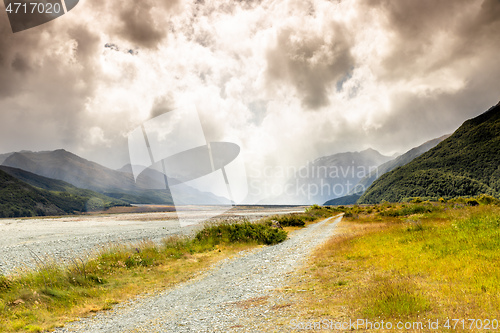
{"type": "Point", "coordinates": [246, 232]}
{"type": "Point", "coordinates": [485, 199]}
{"type": "Point", "coordinates": [472, 202]}
{"type": "Point", "coordinates": [408, 210]}
{"type": "Point", "coordinates": [312, 213]}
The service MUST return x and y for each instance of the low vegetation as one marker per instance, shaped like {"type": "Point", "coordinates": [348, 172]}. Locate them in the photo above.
{"type": "Point", "coordinates": [465, 164]}
{"type": "Point", "coordinates": [311, 214]}
{"type": "Point", "coordinates": [416, 261]}
{"type": "Point", "coordinates": [19, 199]}
{"type": "Point", "coordinates": [36, 300]}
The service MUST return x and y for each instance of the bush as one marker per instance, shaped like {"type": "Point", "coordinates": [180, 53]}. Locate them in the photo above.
{"type": "Point", "coordinates": [312, 213]}
{"type": "Point", "coordinates": [292, 220]}
{"type": "Point", "coordinates": [485, 199]}
{"type": "Point", "coordinates": [408, 210]}
{"type": "Point", "coordinates": [246, 232]}
{"type": "Point", "coordinates": [416, 200]}
{"type": "Point", "coordinates": [472, 202]}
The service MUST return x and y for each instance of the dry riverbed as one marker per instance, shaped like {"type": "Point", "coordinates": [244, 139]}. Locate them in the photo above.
{"type": "Point", "coordinates": [238, 294]}
{"type": "Point", "coordinates": [63, 238]}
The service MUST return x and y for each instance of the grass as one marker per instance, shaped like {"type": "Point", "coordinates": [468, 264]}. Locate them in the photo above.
{"type": "Point", "coordinates": [410, 262]}
{"type": "Point", "coordinates": [311, 214]}
{"type": "Point", "coordinates": [45, 298]}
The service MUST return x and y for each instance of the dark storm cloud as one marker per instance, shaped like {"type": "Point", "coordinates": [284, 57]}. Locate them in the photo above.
{"type": "Point", "coordinates": [138, 27]}
{"type": "Point", "coordinates": [48, 73]}
{"type": "Point", "coordinates": [417, 28]}
{"type": "Point", "coordinates": [20, 64]}
{"type": "Point", "coordinates": [14, 57]}
{"type": "Point", "coordinates": [137, 22]}
{"type": "Point", "coordinates": [310, 62]}
{"type": "Point", "coordinates": [481, 30]}
{"type": "Point", "coordinates": [424, 117]}
{"type": "Point", "coordinates": [443, 54]}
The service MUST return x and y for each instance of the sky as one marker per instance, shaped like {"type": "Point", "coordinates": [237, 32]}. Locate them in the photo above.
{"type": "Point", "coordinates": [287, 80]}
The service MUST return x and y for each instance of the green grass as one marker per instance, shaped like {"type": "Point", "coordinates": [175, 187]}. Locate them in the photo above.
{"type": "Point", "coordinates": [311, 214]}
{"type": "Point", "coordinates": [19, 199]}
{"type": "Point", "coordinates": [259, 233]}
{"type": "Point", "coordinates": [407, 262]}
{"type": "Point", "coordinates": [465, 164]}
{"type": "Point", "coordinates": [44, 298]}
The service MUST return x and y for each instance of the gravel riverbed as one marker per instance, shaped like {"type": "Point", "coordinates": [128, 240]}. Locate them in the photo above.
{"type": "Point", "coordinates": [236, 295]}
{"type": "Point", "coordinates": [64, 238]}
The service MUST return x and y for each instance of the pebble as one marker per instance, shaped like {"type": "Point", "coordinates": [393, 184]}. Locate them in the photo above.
{"type": "Point", "coordinates": [235, 295]}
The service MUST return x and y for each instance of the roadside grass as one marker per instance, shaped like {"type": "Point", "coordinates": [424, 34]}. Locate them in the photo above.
{"type": "Point", "coordinates": [434, 263]}
{"type": "Point", "coordinates": [45, 298]}
{"type": "Point", "coordinates": [311, 214]}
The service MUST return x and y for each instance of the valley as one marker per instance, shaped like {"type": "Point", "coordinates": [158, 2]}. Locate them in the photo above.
{"type": "Point", "coordinates": [68, 237]}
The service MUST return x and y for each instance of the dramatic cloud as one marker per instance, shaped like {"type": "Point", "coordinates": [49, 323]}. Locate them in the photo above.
{"type": "Point", "coordinates": [310, 60]}
{"type": "Point", "coordinates": [289, 81]}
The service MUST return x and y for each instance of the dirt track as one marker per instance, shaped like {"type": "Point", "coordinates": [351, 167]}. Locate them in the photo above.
{"type": "Point", "coordinates": [238, 295]}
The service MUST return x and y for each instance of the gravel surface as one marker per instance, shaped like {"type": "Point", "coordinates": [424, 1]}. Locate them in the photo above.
{"type": "Point", "coordinates": [22, 240]}
{"type": "Point", "coordinates": [237, 295]}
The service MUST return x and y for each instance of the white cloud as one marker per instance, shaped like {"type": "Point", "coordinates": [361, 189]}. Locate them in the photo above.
{"type": "Point", "coordinates": [287, 80]}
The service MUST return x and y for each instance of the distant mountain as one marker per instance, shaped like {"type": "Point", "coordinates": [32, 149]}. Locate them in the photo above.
{"type": "Point", "coordinates": [350, 199]}
{"type": "Point", "coordinates": [3, 157]}
{"type": "Point", "coordinates": [154, 179]}
{"type": "Point", "coordinates": [465, 164]}
{"type": "Point", "coordinates": [55, 185]}
{"type": "Point", "coordinates": [62, 165]}
{"type": "Point", "coordinates": [400, 160]}
{"type": "Point", "coordinates": [19, 199]}
{"type": "Point", "coordinates": [329, 177]}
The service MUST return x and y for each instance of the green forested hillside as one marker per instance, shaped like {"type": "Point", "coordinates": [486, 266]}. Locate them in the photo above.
{"type": "Point", "coordinates": [18, 199]}
{"type": "Point", "coordinates": [465, 164]}
{"type": "Point", "coordinates": [55, 185]}
{"type": "Point", "coordinates": [345, 200]}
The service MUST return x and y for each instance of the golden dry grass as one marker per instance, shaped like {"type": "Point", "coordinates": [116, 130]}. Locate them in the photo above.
{"type": "Point", "coordinates": [432, 266]}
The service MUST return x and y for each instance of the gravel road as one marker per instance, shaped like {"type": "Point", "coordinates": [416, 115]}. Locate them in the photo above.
{"type": "Point", "coordinates": [68, 237]}
{"type": "Point", "coordinates": [236, 295]}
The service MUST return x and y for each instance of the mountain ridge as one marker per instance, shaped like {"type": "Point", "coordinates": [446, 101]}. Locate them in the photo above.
{"type": "Point", "coordinates": [328, 176]}
{"type": "Point", "coordinates": [149, 188]}
{"type": "Point", "coordinates": [19, 199]}
{"type": "Point", "coordinates": [55, 185]}
{"type": "Point", "coordinates": [465, 164]}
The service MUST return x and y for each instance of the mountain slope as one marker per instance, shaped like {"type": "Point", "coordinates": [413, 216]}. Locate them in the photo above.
{"type": "Point", "coordinates": [84, 174]}
{"type": "Point", "coordinates": [3, 157]}
{"type": "Point", "coordinates": [401, 160]}
{"type": "Point", "coordinates": [18, 199]}
{"type": "Point", "coordinates": [63, 165]}
{"type": "Point", "coordinates": [465, 164]}
{"type": "Point", "coordinates": [55, 185]}
{"type": "Point", "coordinates": [329, 177]}
{"type": "Point", "coordinates": [350, 199]}
{"type": "Point", "coordinates": [119, 184]}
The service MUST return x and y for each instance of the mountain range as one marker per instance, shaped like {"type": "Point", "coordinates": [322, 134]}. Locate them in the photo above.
{"type": "Point", "coordinates": [18, 199]}
{"type": "Point", "coordinates": [465, 164]}
{"type": "Point", "coordinates": [386, 167]}
{"type": "Point", "coordinates": [328, 177]}
{"type": "Point", "coordinates": [149, 188]}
